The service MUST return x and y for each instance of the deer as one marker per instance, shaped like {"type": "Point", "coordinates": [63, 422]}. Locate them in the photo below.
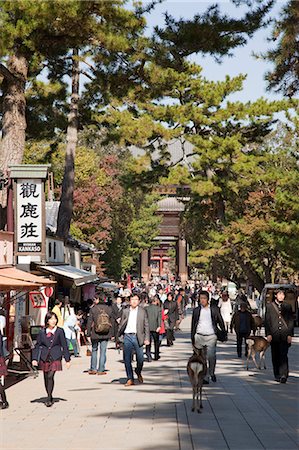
{"type": "Point", "coordinates": [258, 322]}
{"type": "Point", "coordinates": [197, 370]}
{"type": "Point", "coordinates": [257, 344]}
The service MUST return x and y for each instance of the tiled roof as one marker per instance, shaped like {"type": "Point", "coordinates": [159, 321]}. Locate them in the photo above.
{"type": "Point", "coordinates": [170, 204]}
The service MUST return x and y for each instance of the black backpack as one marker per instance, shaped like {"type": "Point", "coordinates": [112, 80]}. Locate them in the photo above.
{"type": "Point", "coordinates": [102, 322]}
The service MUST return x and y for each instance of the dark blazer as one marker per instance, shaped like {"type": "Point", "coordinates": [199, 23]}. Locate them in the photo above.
{"type": "Point", "coordinates": [116, 314]}
{"type": "Point", "coordinates": [235, 322]}
{"type": "Point", "coordinates": [216, 320]}
{"type": "Point", "coordinates": [272, 320]}
{"type": "Point", "coordinates": [154, 314]}
{"type": "Point", "coordinates": [93, 313]}
{"type": "Point", "coordinates": [58, 350]}
{"type": "Point", "coordinates": [173, 312]}
{"type": "Point", "coordinates": [143, 332]}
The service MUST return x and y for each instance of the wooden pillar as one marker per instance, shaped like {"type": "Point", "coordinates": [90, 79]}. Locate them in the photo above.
{"type": "Point", "coordinates": [144, 269]}
{"type": "Point", "coordinates": [182, 260]}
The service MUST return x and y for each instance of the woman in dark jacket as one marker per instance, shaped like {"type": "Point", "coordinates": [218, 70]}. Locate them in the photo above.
{"type": "Point", "coordinates": [50, 347]}
{"type": "Point", "coordinates": [171, 309]}
{"type": "Point", "coordinates": [3, 373]}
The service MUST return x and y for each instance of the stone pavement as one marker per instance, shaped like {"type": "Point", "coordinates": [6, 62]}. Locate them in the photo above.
{"type": "Point", "coordinates": [242, 411]}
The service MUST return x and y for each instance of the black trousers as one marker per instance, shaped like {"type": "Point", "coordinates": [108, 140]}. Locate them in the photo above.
{"type": "Point", "coordinates": [2, 393]}
{"type": "Point", "coordinates": [279, 351]}
{"type": "Point", "coordinates": [49, 383]}
{"type": "Point", "coordinates": [169, 336]}
{"type": "Point", "coordinates": [154, 336]}
{"type": "Point", "coordinates": [240, 337]}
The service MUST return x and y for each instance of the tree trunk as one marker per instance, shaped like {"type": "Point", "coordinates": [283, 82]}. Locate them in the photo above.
{"type": "Point", "coordinates": [14, 119]}
{"type": "Point", "coordinates": [67, 194]}
{"type": "Point", "coordinates": [251, 274]}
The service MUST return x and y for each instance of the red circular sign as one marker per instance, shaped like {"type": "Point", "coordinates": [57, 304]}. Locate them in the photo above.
{"type": "Point", "coordinates": [49, 291]}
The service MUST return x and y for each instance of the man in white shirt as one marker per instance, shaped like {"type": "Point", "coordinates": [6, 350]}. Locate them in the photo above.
{"type": "Point", "coordinates": [135, 328]}
{"type": "Point", "coordinates": [203, 332]}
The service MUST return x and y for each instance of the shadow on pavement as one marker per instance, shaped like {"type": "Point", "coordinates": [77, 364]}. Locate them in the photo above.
{"type": "Point", "coordinates": [44, 399]}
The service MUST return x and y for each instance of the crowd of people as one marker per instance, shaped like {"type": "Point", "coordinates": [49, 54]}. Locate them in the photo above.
{"type": "Point", "coordinates": [141, 318]}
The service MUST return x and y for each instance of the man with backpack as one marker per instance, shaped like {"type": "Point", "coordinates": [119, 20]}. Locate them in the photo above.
{"type": "Point", "coordinates": [99, 329]}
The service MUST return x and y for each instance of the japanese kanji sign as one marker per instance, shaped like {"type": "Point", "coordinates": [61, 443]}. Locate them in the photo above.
{"type": "Point", "coordinates": [37, 299]}
{"type": "Point", "coordinates": [29, 214]}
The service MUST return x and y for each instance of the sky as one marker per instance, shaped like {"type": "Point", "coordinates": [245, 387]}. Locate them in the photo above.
{"type": "Point", "coordinates": [243, 60]}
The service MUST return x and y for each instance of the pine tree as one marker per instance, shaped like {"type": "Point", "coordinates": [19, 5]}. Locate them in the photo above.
{"type": "Point", "coordinates": [210, 33]}
{"type": "Point", "coordinates": [38, 35]}
{"type": "Point", "coordinates": [285, 57]}
{"type": "Point", "coordinates": [226, 136]}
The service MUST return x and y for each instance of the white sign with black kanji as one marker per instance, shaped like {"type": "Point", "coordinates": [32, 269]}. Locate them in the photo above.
{"type": "Point", "coordinates": [29, 215]}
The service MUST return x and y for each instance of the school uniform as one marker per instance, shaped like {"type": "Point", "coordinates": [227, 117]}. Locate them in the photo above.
{"type": "Point", "coordinates": [50, 347]}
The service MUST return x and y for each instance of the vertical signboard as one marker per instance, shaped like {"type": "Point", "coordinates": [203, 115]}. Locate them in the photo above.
{"type": "Point", "coordinates": [29, 208]}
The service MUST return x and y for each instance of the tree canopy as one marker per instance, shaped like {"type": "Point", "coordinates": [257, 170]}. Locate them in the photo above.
{"type": "Point", "coordinates": [143, 90]}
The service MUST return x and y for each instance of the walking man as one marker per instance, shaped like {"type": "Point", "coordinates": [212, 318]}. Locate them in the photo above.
{"type": "Point", "coordinates": [205, 319]}
{"type": "Point", "coordinates": [135, 328]}
{"type": "Point", "coordinates": [154, 319]}
{"type": "Point", "coordinates": [279, 327]}
{"type": "Point", "coordinates": [99, 329]}
{"type": "Point", "coordinates": [243, 323]}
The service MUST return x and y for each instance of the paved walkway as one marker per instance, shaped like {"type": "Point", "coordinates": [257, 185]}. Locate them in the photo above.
{"type": "Point", "coordinates": [242, 411]}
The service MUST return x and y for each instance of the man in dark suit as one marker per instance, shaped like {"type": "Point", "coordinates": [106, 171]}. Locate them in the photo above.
{"type": "Point", "coordinates": [279, 328]}
{"type": "Point", "coordinates": [205, 319]}
{"type": "Point", "coordinates": [135, 328]}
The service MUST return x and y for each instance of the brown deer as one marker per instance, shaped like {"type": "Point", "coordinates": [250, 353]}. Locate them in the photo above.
{"type": "Point", "coordinates": [258, 322]}
{"type": "Point", "coordinates": [257, 344]}
{"type": "Point", "coordinates": [197, 370]}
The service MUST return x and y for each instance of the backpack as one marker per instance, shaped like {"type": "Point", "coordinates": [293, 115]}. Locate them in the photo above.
{"type": "Point", "coordinates": [102, 323]}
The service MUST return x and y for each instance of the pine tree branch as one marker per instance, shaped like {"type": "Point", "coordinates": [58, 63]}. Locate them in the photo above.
{"type": "Point", "coordinates": [86, 74]}
{"type": "Point", "coordinates": [6, 73]}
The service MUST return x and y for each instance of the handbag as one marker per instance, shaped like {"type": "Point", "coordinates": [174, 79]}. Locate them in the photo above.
{"type": "Point", "coordinates": [39, 354]}
{"type": "Point", "coordinates": [221, 335]}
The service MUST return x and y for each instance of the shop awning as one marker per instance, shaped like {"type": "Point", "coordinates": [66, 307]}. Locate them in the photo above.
{"type": "Point", "coordinates": [78, 276]}
{"type": "Point", "coordinates": [10, 284]}
{"type": "Point", "coordinates": [17, 274]}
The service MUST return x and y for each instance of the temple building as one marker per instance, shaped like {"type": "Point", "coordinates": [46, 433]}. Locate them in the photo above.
{"type": "Point", "coordinates": [169, 257]}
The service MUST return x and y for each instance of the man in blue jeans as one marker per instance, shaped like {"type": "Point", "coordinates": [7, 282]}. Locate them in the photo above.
{"type": "Point", "coordinates": [135, 328]}
{"type": "Point", "coordinates": [99, 340]}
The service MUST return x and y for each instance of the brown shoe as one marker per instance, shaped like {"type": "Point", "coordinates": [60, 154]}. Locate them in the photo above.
{"type": "Point", "coordinates": [140, 378]}
{"type": "Point", "coordinates": [101, 373]}
{"type": "Point", "coordinates": [92, 372]}
{"type": "Point", "coordinates": [130, 383]}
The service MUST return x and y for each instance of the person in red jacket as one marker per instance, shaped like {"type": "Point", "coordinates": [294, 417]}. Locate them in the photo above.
{"type": "Point", "coordinates": [162, 332]}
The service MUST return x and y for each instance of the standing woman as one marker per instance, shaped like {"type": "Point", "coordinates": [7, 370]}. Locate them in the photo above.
{"type": "Point", "coordinates": [50, 347]}
{"type": "Point", "coordinates": [225, 309]}
{"type": "Point", "coordinates": [3, 373]}
{"type": "Point", "coordinates": [171, 310]}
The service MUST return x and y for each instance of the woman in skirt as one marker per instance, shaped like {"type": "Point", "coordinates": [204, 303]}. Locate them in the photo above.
{"type": "Point", "coordinates": [3, 373]}
{"type": "Point", "coordinates": [50, 347]}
